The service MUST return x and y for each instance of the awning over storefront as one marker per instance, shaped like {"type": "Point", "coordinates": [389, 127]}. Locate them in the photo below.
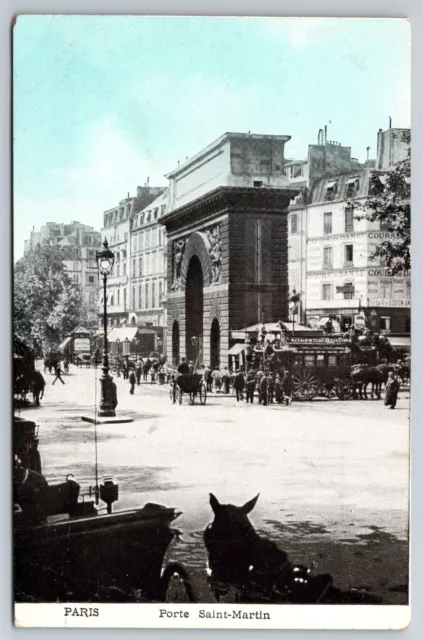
{"type": "Point", "coordinates": [123, 333]}
{"type": "Point", "coordinates": [236, 349]}
{"type": "Point", "coordinates": [400, 342]}
{"type": "Point", "coordinates": [64, 344]}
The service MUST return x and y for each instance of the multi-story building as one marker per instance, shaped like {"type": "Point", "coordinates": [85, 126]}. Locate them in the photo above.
{"type": "Point", "coordinates": [79, 243]}
{"type": "Point", "coordinates": [331, 252]}
{"type": "Point", "coordinates": [117, 228]}
{"type": "Point", "coordinates": [148, 266]}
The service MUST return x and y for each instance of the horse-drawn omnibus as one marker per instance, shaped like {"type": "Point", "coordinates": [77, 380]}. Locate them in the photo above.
{"type": "Point", "coordinates": [316, 365]}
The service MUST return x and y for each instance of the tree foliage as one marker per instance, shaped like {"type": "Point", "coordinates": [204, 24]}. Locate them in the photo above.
{"type": "Point", "coordinates": [47, 304]}
{"type": "Point", "coordinates": [389, 203]}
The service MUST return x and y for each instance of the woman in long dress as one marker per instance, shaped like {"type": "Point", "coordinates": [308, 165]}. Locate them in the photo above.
{"type": "Point", "coordinates": [391, 392]}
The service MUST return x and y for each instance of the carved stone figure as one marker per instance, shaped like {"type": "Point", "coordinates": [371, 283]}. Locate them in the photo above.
{"type": "Point", "coordinates": [215, 253]}
{"type": "Point", "coordinates": [179, 248]}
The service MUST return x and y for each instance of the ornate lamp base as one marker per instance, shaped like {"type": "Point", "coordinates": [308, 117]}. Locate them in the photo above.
{"type": "Point", "coordinates": [108, 398]}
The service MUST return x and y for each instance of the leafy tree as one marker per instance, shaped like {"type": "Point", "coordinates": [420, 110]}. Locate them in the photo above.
{"type": "Point", "coordinates": [389, 203]}
{"type": "Point", "coordinates": [47, 304]}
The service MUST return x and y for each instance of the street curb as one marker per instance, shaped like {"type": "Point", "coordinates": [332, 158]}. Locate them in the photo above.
{"type": "Point", "coordinates": [107, 420]}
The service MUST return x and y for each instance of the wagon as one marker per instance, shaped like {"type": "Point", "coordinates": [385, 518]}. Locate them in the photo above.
{"type": "Point", "coordinates": [192, 383]}
{"type": "Point", "coordinates": [319, 369]}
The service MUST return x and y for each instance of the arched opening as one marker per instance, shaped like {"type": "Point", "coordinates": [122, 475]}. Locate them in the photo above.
{"type": "Point", "coordinates": [175, 343]}
{"type": "Point", "coordinates": [215, 344]}
{"type": "Point", "coordinates": [194, 308]}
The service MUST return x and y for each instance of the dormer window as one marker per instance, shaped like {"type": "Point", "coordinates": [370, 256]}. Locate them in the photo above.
{"type": "Point", "coordinates": [353, 185]}
{"type": "Point", "coordinates": [331, 190]}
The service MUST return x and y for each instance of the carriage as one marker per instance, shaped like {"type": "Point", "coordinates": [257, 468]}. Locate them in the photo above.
{"type": "Point", "coordinates": [316, 365]}
{"type": "Point", "coordinates": [191, 383]}
{"type": "Point", "coordinates": [68, 550]}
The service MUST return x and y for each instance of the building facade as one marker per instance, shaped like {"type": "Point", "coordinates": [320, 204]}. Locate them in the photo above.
{"type": "Point", "coordinates": [79, 243]}
{"type": "Point", "coordinates": [148, 265]}
{"type": "Point", "coordinates": [340, 277]}
{"type": "Point", "coordinates": [117, 230]}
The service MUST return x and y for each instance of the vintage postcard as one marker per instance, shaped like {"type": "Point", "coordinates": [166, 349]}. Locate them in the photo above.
{"type": "Point", "coordinates": [211, 322]}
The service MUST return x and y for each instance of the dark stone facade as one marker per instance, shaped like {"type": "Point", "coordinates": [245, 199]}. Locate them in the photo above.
{"type": "Point", "coordinates": [240, 237]}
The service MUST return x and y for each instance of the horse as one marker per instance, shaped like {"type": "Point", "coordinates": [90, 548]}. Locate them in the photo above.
{"type": "Point", "coordinates": [37, 387]}
{"type": "Point", "coordinates": [363, 375]}
{"type": "Point", "coordinates": [258, 570]}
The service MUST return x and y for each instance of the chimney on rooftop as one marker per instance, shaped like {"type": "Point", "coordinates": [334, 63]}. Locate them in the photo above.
{"type": "Point", "coordinates": [367, 153]}
{"type": "Point", "coordinates": [390, 122]}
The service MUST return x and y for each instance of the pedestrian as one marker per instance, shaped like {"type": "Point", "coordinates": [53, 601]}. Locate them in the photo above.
{"type": "Point", "coordinates": [183, 367]}
{"type": "Point", "coordinates": [270, 388]}
{"type": "Point", "coordinates": [208, 378]}
{"type": "Point", "coordinates": [251, 385]}
{"type": "Point", "coordinates": [66, 366]}
{"type": "Point", "coordinates": [138, 371]}
{"type": "Point", "coordinates": [287, 387]}
{"type": "Point", "coordinates": [239, 384]}
{"type": "Point", "coordinates": [263, 390]}
{"type": "Point", "coordinates": [217, 381]}
{"type": "Point", "coordinates": [132, 381]}
{"type": "Point", "coordinates": [153, 375]}
{"type": "Point", "coordinates": [58, 371]}
{"type": "Point", "coordinates": [225, 380]}
{"type": "Point", "coordinates": [191, 367]}
{"type": "Point", "coordinates": [145, 369]}
{"type": "Point", "coordinates": [125, 369]}
{"type": "Point", "coordinates": [391, 391]}
{"type": "Point", "coordinates": [278, 389]}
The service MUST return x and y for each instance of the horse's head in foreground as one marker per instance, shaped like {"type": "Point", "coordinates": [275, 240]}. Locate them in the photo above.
{"type": "Point", "coordinates": [231, 521]}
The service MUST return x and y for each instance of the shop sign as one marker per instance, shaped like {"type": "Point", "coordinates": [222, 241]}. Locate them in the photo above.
{"type": "Point", "coordinates": [82, 345]}
{"type": "Point", "coordinates": [319, 340]}
{"type": "Point", "coordinates": [382, 302]}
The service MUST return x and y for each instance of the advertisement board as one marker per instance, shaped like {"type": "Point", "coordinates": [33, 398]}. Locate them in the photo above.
{"type": "Point", "coordinates": [82, 345]}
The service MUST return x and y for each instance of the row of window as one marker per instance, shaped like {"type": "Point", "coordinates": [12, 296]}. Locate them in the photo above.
{"type": "Point", "coordinates": [149, 264]}
{"type": "Point", "coordinates": [321, 360]}
{"type": "Point", "coordinates": [117, 216]}
{"type": "Point", "coordinates": [327, 222]}
{"type": "Point", "coordinates": [348, 256]}
{"type": "Point", "coordinates": [385, 290]}
{"type": "Point", "coordinates": [149, 216]}
{"type": "Point", "coordinates": [333, 190]}
{"type": "Point", "coordinates": [146, 239]}
{"type": "Point", "coordinates": [147, 295]}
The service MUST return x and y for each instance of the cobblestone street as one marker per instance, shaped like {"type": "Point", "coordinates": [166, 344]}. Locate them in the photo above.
{"type": "Point", "coordinates": [332, 475]}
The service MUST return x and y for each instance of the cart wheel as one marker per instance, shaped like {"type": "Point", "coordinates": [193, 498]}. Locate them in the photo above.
{"type": "Point", "coordinates": [172, 394]}
{"type": "Point", "coordinates": [176, 584]}
{"type": "Point", "coordinates": [203, 393]}
{"type": "Point", "coordinates": [180, 394]}
{"type": "Point", "coordinates": [328, 390]}
{"type": "Point", "coordinates": [305, 385]}
{"type": "Point", "coordinates": [344, 389]}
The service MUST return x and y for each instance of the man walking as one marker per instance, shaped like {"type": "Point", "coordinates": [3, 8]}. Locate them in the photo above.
{"type": "Point", "coordinates": [138, 371]}
{"type": "Point", "coordinates": [208, 378]}
{"type": "Point", "coordinates": [263, 390]}
{"type": "Point", "coordinates": [239, 384]}
{"type": "Point", "coordinates": [251, 385]}
{"type": "Point", "coordinates": [132, 381]}
{"type": "Point", "coordinates": [58, 371]}
{"type": "Point", "coordinates": [391, 392]}
{"type": "Point", "coordinates": [225, 380]}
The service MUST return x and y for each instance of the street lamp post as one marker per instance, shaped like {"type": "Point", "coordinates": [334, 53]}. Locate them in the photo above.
{"type": "Point", "coordinates": [118, 357]}
{"type": "Point", "coordinates": [105, 260]}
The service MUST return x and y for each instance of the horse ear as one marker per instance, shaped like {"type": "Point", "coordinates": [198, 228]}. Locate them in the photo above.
{"type": "Point", "coordinates": [249, 506]}
{"type": "Point", "coordinates": [214, 503]}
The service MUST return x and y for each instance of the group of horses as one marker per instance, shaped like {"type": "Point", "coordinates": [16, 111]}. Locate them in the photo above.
{"type": "Point", "coordinates": [363, 375]}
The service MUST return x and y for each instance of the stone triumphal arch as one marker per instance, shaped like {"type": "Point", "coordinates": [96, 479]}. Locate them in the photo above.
{"type": "Point", "coordinates": [227, 268]}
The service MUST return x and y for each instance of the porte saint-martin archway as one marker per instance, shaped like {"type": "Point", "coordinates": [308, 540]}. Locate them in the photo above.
{"type": "Point", "coordinates": [227, 267]}
{"type": "Point", "coordinates": [194, 309]}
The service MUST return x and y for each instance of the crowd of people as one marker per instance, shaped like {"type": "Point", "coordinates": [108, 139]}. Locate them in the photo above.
{"type": "Point", "coordinates": [267, 386]}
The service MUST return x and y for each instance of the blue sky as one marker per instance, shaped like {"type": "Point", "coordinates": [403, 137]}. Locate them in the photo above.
{"type": "Point", "coordinates": [100, 103]}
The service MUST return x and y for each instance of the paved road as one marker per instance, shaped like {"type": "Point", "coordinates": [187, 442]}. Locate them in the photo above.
{"type": "Point", "coordinates": [332, 475]}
